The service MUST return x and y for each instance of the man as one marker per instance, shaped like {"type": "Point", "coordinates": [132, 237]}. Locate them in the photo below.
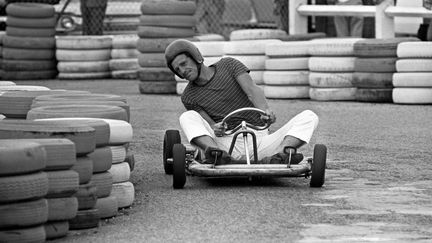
{"type": "Point", "coordinates": [216, 90]}
{"type": "Point", "coordinates": [348, 26]}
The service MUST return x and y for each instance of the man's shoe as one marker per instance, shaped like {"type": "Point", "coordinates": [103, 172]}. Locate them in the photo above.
{"type": "Point", "coordinates": [283, 158]}
{"type": "Point", "coordinates": [216, 156]}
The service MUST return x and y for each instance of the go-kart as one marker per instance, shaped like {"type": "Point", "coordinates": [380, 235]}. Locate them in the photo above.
{"type": "Point", "coordinates": [180, 159]}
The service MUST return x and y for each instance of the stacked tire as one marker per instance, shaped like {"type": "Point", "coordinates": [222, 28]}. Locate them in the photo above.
{"type": "Point", "coordinates": [161, 23]}
{"type": "Point", "coordinates": [287, 71]}
{"type": "Point", "coordinates": [212, 51]}
{"type": "Point", "coordinates": [374, 68]}
{"type": "Point", "coordinates": [2, 35]}
{"type": "Point", "coordinates": [331, 68]}
{"type": "Point", "coordinates": [23, 186]}
{"type": "Point", "coordinates": [64, 173]}
{"type": "Point", "coordinates": [83, 57]}
{"type": "Point", "coordinates": [16, 104]}
{"type": "Point", "coordinates": [29, 44]}
{"type": "Point", "coordinates": [124, 57]}
{"type": "Point", "coordinates": [252, 54]}
{"type": "Point", "coordinates": [413, 80]}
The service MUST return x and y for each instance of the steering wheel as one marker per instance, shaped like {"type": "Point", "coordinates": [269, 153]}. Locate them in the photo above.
{"type": "Point", "coordinates": [258, 128]}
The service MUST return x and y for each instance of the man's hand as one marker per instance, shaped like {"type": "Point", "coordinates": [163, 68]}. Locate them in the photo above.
{"type": "Point", "coordinates": [269, 117]}
{"type": "Point", "coordinates": [218, 129]}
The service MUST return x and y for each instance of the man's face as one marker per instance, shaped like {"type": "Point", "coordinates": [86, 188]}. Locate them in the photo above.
{"type": "Point", "coordinates": [185, 66]}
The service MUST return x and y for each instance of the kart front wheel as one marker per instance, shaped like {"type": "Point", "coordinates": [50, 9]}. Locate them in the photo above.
{"type": "Point", "coordinates": [171, 137]}
{"type": "Point", "coordinates": [179, 166]}
{"type": "Point", "coordinates": [318, 165]}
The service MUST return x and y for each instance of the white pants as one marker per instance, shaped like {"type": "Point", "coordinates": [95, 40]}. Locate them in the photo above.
{"type": "Point", "coordinates": [301, 126]}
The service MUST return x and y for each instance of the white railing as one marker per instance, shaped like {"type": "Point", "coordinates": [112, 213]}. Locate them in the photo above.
{"type": "Point", "coordinates": [384, 14]}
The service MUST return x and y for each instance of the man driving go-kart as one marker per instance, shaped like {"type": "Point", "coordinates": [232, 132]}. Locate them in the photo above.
{"type": "Point", "coordinates": [215, 91]}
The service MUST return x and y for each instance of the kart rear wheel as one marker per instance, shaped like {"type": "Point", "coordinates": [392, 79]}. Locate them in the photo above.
{"type": "Point", "coordinates": [171, 137]}
{"type": "Point", "coordinates": [179, 166]}
{"type": "Point", "coordinates": [318, 165]}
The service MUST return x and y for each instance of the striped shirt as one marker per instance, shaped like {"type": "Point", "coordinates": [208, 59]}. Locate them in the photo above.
{"type": "Point", "coordinates": [222, 94]}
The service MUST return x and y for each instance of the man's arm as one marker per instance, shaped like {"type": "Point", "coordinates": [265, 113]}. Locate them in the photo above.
{"type": "Point", "coordinates": [255, 94]}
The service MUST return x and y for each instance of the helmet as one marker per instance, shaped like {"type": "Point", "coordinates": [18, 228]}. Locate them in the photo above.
{"type": "Point", "coordinates": [182, 46]}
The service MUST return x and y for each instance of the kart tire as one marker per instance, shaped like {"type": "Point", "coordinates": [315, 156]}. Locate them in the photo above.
{"type": "Point", "coordinates": [211, 48]}
{"type": "Point", "coordinates": [103, 183]}
{"type": "Point", "coordinates": [62, 183]}
{"type": "Point", "coordinates": [168, 20]}
{"type": "Point", "coordinates": [102, 159]}
{"type": "Point", "coordinates": [288, 78]}
{"type": "Point", "coordinates": [30, 10]}
{"type": "Point", "coordinates": [91, 111]}
{"type": "Point", "coordinates": [85, 219]}
{"type": "Point", "coordinates": [124, 192]}
{"type": "Point", "coordinates": [286, 92]}
{"type": "Point", "coordinates": [118, 154]}
{"type": "Point", "coordinates": [23, 214]}
{"type": "Point", "coordinates": [84, 42]}
{"type": "Point", "coordinates": [30, 32]}
{"type": "Point", "coordinates": [120, 172]}
{"type": "Point", "coordinates": [375, 65]}
{"type": "Point", "coordinates": [318, 165]}
{"type": "Point", "coordinates": [374, 95]}
{"type": "Point", "coordinates": [333, 47]}
{"type": "Point", "coordinates": [83, 66]}
{"type": "Point", "coordinates": [86, 196]}
{"type": "Point", "coordinates": [179, 166]}
{"type": "Point", "coordinates": [79, 55]}
{"type": "Point", "coordinates": [62, 208]}
{"type": "Point", "coordinates": [29, 42]}
{"type": "Point", "coordinates": [330, 80]}
{"type": "Point", "coordinates": [412, 95]}
{"type": "Point", "coordinates": [107, 207]}
{"type": "Point", "coordinates": [418, 49]}
{"type": "Point", "coordinates": [84, 168]}
{"type": "Point", "coordinates": [49, 22]}
{"type": "Point", "coordinates": [34, 234]}
{"type": "Point", "coordinates": [248, 47]}
{"type": "Point", "coordinates": [124, 41]}
{"type": "Point", "coordinates": [21, 157]}
{"type": "Point", "coordinates": [28, 54]}
{"type": "Point", "coordinates": [124, 74]}
{"type": "Point", "coordinates": [28, 65]}
{"type": "Point", "coordinates": [414, 65]}
{"type": "Point", "coordinates": [124, 53]}
{"type": "Point", "coordinates": [23, 187]}
{"type": "Point", "coordinates": [257, 34]}
{"type": "Point", "coordinates": [156, 60]}
{"type": "Point", "coordinates": [156, 7]}
{"type": "Point", "coordinates": [332, 94]}
{"type": "Point", "coordinates": [164, 32]}
{"type": "Point", "coordinates": [127, 64]}
{"type": "Point", "coordinates": [288, 49]}
{"type": "Point", "coordinates": [157, 87]}
{"type": "Point", "coordinates": [332, 64]}
{"type": "Point", "coordinates": [56, 229]}
{"type": "Point", "coordinates": [171, 137]}
{"type": "Point", "coordinates": [30, 75]}
{"type": "Point", "coordinates": [372, 80]}
{"type": "Point", "coordinates": [420, 79]}
{"type": "Point", "coordinates": [287, 64]}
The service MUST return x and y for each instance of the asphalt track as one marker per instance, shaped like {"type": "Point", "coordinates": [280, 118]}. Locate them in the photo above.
{"type": "Point", "coordinates": [378, 180]}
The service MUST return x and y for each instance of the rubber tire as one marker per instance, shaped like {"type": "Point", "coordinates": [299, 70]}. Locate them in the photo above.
{"type": "Point", "coordinates": [375, 65]}
{"type": "Point", "coordinates": [23, 187]}
{"type": "Point", "coordinates": [124, 41]}
{"type": "Point", "coordinates": [28, 54]}
{"type": "Point", "coordinates": [333, 47]}
{"type": "Point", "coordinates": [29, 42]}
{"type": "Point", "coordinates": [163, 74]}
{"type": "Point", "coordinates": [103, 183]}
{"type": "Point", "coordinates": [28, 65]}
{"type": "Point", "coordinates": [56, 229]}
{"type": "Point", "coordinates": [179, 166]}
{"type": "Point", "coordinates": [288, 49]}
{"type": "Point", "coordinates": [286, 78]}
{"type": "Point", "coordinates": [164, 32]}
{"type": "Point", "coordinates": [125, 193]}
{"type": "Point", "coordinates": [374, 95]}
{"type": "Point", "coordinates": [85, 219]}
{"type": "Point", "coordinates": [248, 47]}
{"type": "Point", "coordinates": [107, 207]}
{"type": "Point", "coordinates": [168, 20]}
{"type": "Point", "coordinates": [372, 80]}
{"type": "Point", "coordinates": [414, 65]}
{"type": "Point", "coordinates": [253, 62]}
{"type": "Point", "coordinates": [86, 196]}
{"type": "Point", "coordinates": [287, 64]}
{"type": "Point", "coordinates": [257, 34]}
{"type": "Point", "coordinates": [23, 214]}
{"type": "Point", "coordinates": [332, 64]}
{"type": "Point", "coordinates": [92, 42]}
{"type": "Point", "coordinates": [83, 55]}
{"type": "Point", "coordinates": [332, 94]}
{"type": "Point", "coordinates": [412, 95]}
{"type": "Point", "coordinates": [286, 92]}
{"type": "Point", "coordinates": [83, 66]}
{"type": "Point", "coordinates": [120, 172]}
{"type": "Point", "coordinates": [84, 168]}
{"type": "Point", "coordinates": [211, 48]}
{"type": "Point", "coordinates": [34, 234]}
{"type": "Point", "coordinates": [418, 49]}
{"type": "Point", "coordinates": [92, 111]}
{"type": "Point", "coordinates": [153, 45]}
{"type": "Point", "coordinates": [412, 79]}
{"type": "Point", "coordinates": [30, 75]}
{"type": "Point", "coordinates": [379, 47]}
{"type": "Point", "coordinates": [130, 159]}
{"type": "Point", "coordinates": [124, 53]}
{"type": "Point", "coordinates": [49, 22]}
{"type": "Point", "coordinates": [62, 183]}
{"type": "Point", "coordinates": [30, 32]}
{"type": "Point", "coordinates": [156, 7]}
{"type": "Point", "coordinates": [318, 165]}
{"type": "Point", "coordinates": [129, 64]}
{"type": "Point", "coordinates": [171, 137]}
{"type": "Point", "coordinates": [331, 80]}
{"type": "Point", "coordinates": [102, 159]}
{"type": "Point", "coordinates": [156, 60]}
{"type": "Point", "coordinates": [62, 208]}
{"type": "Point", "coordinates": [21, 157]}
{"type": "Point", "coordinates": [30, 10]}
{"type": "Point", "coordinates": [84, 76]}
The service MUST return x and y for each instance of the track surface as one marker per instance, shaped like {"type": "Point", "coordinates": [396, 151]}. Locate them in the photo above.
{"type": "Point", "coordinates": [378, 181]}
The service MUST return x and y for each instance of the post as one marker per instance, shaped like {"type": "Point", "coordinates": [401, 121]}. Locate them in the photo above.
{"type": "Point", "coordinates": [384, 25]}
{"type": "Point", "coordinates": [298, 23]}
